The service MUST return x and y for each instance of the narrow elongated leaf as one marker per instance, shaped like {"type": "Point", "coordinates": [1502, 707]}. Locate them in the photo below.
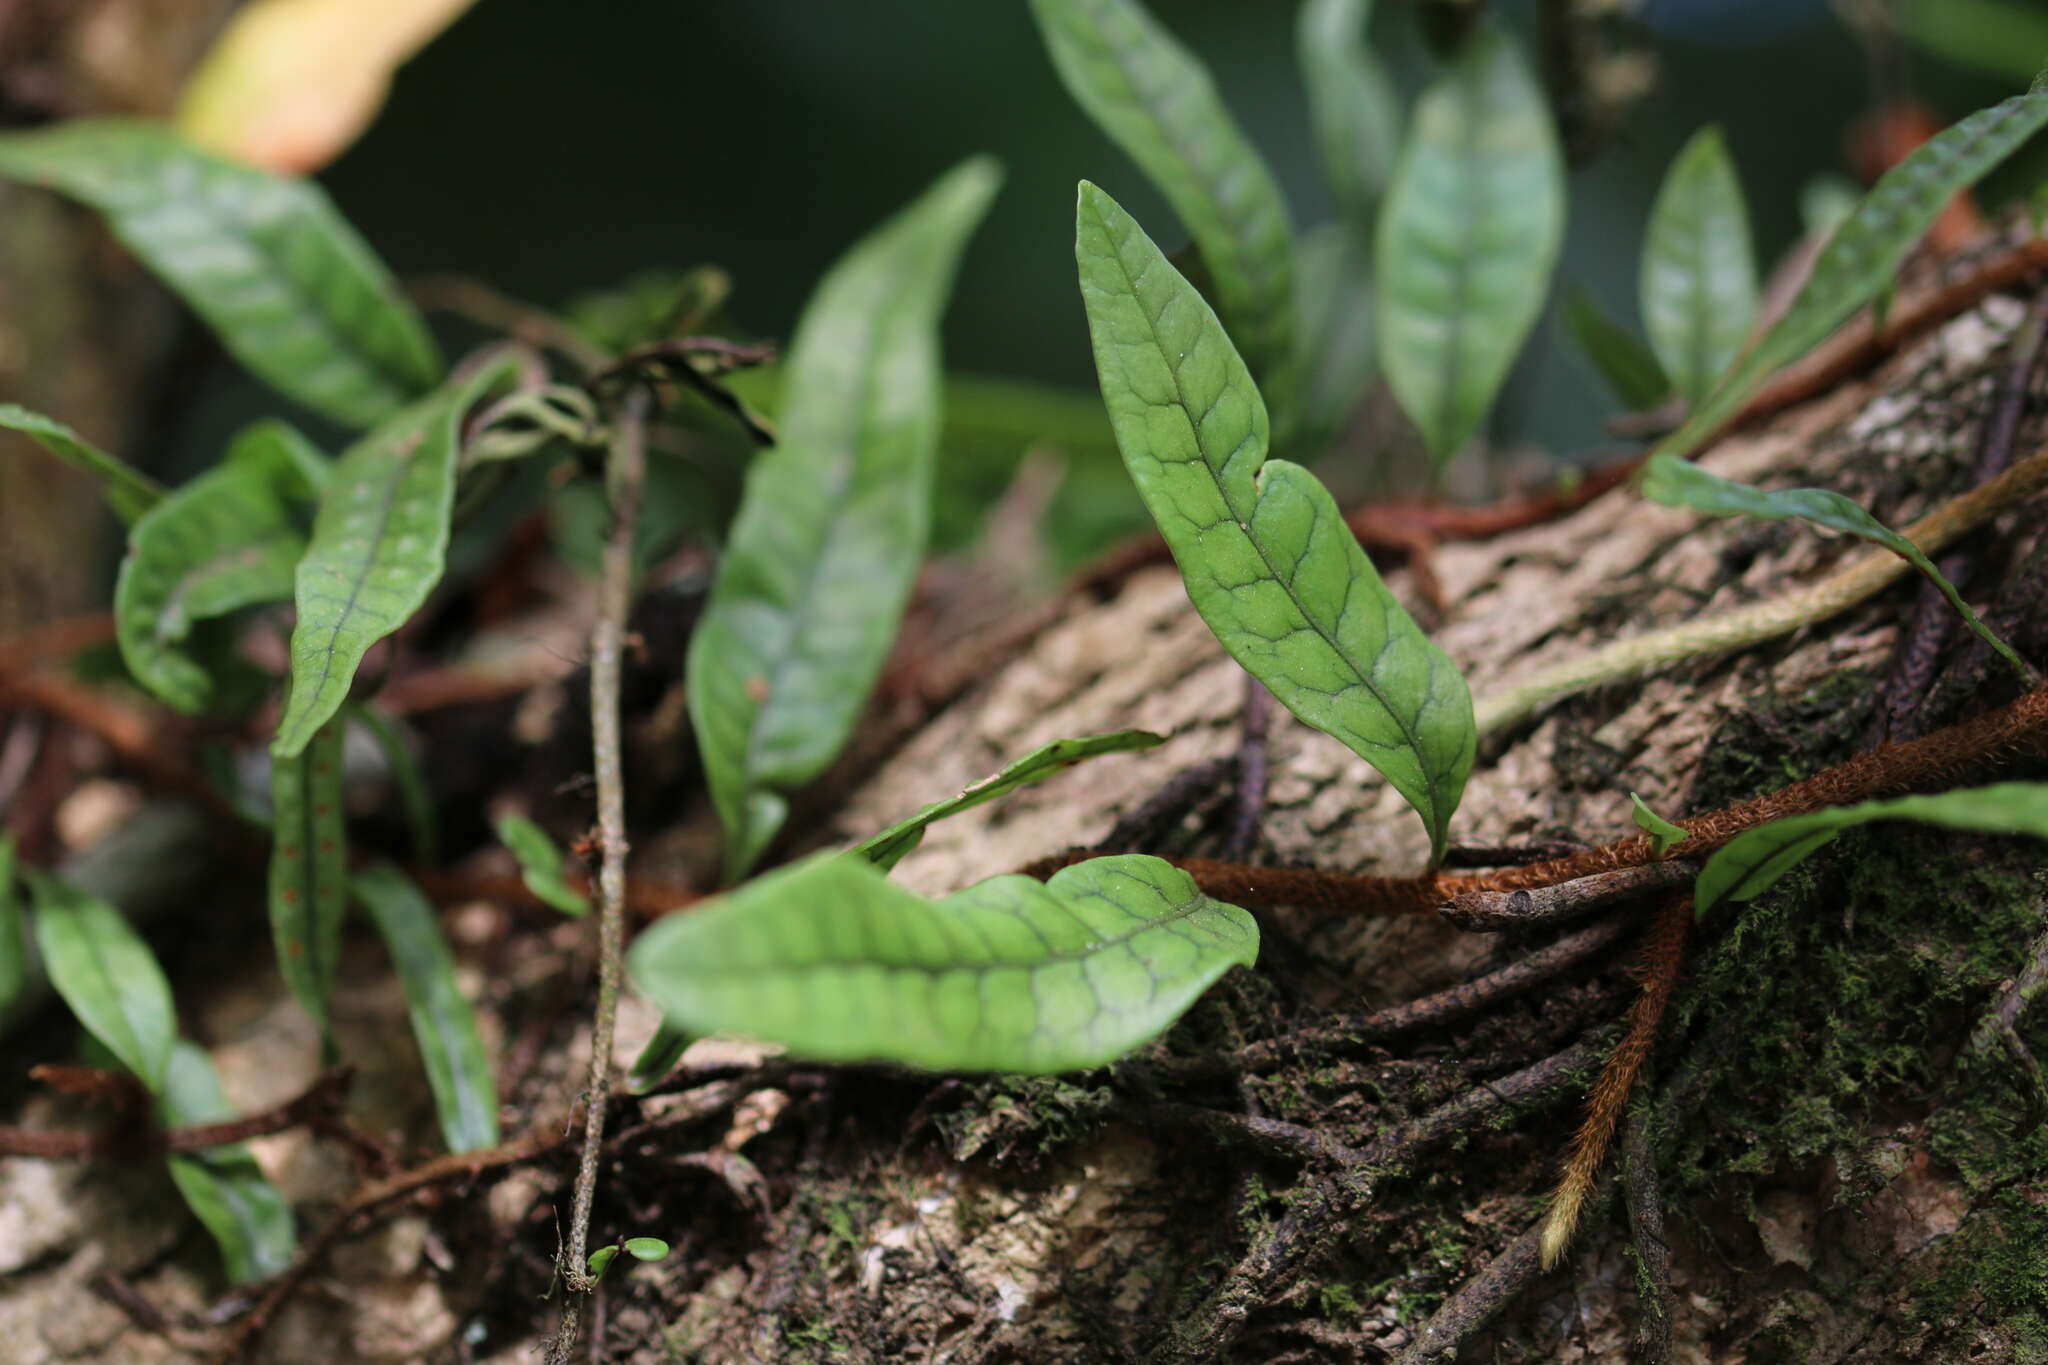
{"type": "Point", "coordinates": [1680, 483]}
{"type": "Point", "coordinates": [1155, 101]}
{"type": "Point", "coordinates": [1268, 560]}
{"type": "Point", "coordinates": [1861, 259]}
{"type": "Point", "coordinates": [835, 961]}
{"type": "Point", "coordinates": [15, 972]}
{"type": "Point", "coordinates": [1629, 367]}
{"type": "Point", "coordinates": [290, 288]}
{"type": "Point", "coordinates": [107, 975]}
{"type": "Point", "coordinates": [1699, 289]}
{"type": "Point", "coordinates": [659, 1057]}
{"type": "Point", "coordinates": [443, 1024]}
{"type": "Point", "coordinates": [540, 863]}
{"type": "Point", "coordinates": [1468, 235]}
{"type": "Point", "coordinates": [231, 538]}
{"type": "Point", "coordinates": [888, 848]}
{"type": "Point", "coordinates": [1352, 103]}
{"type": "Point", "coordinates": [309, 868]}
{"type": "Point", "coordinates": [1665, 834]}
{"type": "Point", "coordinates": [380, 541]}
{"type": "Point", "coordinates": [223, 1186]}
{"type": "Point", "coordinates": [1747, 865]}
{"type": "Point", "coordinates": [128, 490]}
{"type": "Point", "coordinates": [1337, 357]}
{"type": "Point", "coordinates": [834, 521]}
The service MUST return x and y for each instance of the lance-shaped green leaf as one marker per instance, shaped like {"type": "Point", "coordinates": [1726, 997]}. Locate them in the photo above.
{"type": "Point", "coordinates": [1629, 367]}
{"type": "Point", "coordinates": [888, 848]}
{"type": "Point", "coordinates": [1680, 483]}
{"type": "Point", "coordinates": [379, 544]}
{"type": "Point", "coordinates": [1156, 101]}
{"type": "Point", "coordinates": [1268, 560]}
{"type": "Point", "coordinates": [836, 962]}
{"type": "Point", "coordinates": [15, 971]}
{"type": "Point", "coordinates": [1337, 358]}
{"type": "Point", "coordinates": [1468, 234]}
{"type": "Point", "coordinates": [659, 1057]}
{"type": "Point", "coordinates": [834, 521]}
{"type": "Point", "coordinates": [287, 284]}
{"type": "Point", "coordinates": [1352, 103]}
{"type": "Point", "coordinates": [309, 868]}
{"type": "Point", "coordinates": [231, 538]}
{"type": "Point", "coordinates": [223, 1186]}
{"type": "Point", "coordinates": [128, 490]}
{"type": "Point", "coordinates": [107, 975]}
{"type": "Point", "coordinates": [1698, 288]}
{"type": "Point", "coordinates": [540, 863]}
{"type": "Point", "coordinates": [1861, 259]}
{"type": "Point", "coordinates": [1662, 832]}
{"type": "Point", "coordinates": [443, 1024]}
{"type": "Point", "coordinates": [1747, 865]}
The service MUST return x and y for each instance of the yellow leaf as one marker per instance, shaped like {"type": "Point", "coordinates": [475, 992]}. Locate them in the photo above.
{"type": "Point", "coordinates": [291, 83]}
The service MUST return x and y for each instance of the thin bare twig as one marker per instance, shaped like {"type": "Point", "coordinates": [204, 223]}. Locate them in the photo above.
{"type": "Point", "coordinates": [323, 1097]}
{"type": "Point", "coordinates": [1645, 1200]}
{"type": "Point", "coordinates": [1486, 912]}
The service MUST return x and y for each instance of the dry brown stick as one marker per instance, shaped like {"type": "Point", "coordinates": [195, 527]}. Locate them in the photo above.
{"type": "Point", "coordinates": [1645, 1200]}
{"type": "Point", "coordinates": [1487, 912]}
{"type": "Point", "coordinates": [323, 1097]}
{"type": "Point", "coordinates": [1478, 1302]}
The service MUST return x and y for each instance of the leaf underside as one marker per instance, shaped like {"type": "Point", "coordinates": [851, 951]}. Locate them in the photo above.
{"type": "Point", "coordinates": [309, 867]}
{"type": "Point", "coordinates": [1266, 555]}
{"type": "Point", "coordinates": [833, 525]}
{"type": "Point", "coordinates": [838, 963]}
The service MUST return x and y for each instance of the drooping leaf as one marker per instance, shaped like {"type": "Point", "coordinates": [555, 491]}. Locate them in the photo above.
{"type": "Point", "coordinates": [1268, 560]}
{"type": "Point", "coordinates": [1155, 100]}
{"type": "Point", "coordinates": [540, 863]}
{"type": "Point", "coordinates": [601, 1261]}
{"type": "Point", "coordinates": [1664, 834]}
{"type": "Point", "coordinates": [107, 976]}
{"type": "Point", "coordinates": [309, 868]}
{"type": "Point", "coordinates": [379, 544]}
{"type": "Point", "coordinates": [407, 778]}
{"type": "Point", "coordinates": [128, 490]}
{"type": "Point", "coordinates": [15, 973]}
{"type": "Point", "coordinates": [1862, 257]}
{"type": "Point", "coordinates": [888, 848]}
{"type": "Point", "coordinates": [1629, 367]}
{"type": "Point", "coordinates": [1468, 235]}
{"type": "Point", "coordinates": [1680, 483]}
{"type": "Point", "coordinates": [1334, 270]}
{"type": "Point", "coordinates": [443, 1024]}
{"type": "Point", "coordinates": [1699, 289]}
{"type": "Point", "coordinates": [231, 538]}
{"type": "Point", "coordinates": [247, 1215]}
{"type": "Point", "coordinates": [1747, 865]}
{"type": "Point", "coordinates": [838, 963]}
{"type": "Point", "coordinates": [659, 1057]}
{"type": "Point", "coordinates": [1352, 103]}
{"type": "Point", "coordinates": [833, 526]}
{"type": "Point", "coordinates": [292, 291]}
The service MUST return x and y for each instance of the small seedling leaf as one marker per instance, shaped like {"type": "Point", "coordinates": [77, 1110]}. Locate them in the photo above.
{"type": "Point", "coordinates": [287, 284]}
{"type": "Point", "coordinates": [128, 491]}
{"type": "Point", "coordinates": [601, 1260]}
{"type": "Point", "coordinates": [838, 963]}
{"type": "Point", "coordinates": [889, 847]}
{"type": "Point", "coordinates": [833, 525]}
{"type": "Point", "coordinates": [1352, 103]}
{"type": "Point", "coordinates": [1665, 835]}
{"type": "Point", "coordinates": [1862, 256]}
{"type": "Point", "coordinates": [1625, 362]}
{"type": "Point", "coordinates": [646, 1248]}
{"type": "Point", "coordinates": [1747, 865]}
{"type": "Point", "coordinates": [248, 1216]}
{"type": "Point", "coordinates": [309, 868]}
{"type": "Point", "coordinates": [1267, 558]}
{"type": "Point", "coordinates": [1699, 288]}
{"type": "Point", "coordinates": [540, 863]}
{"type": "Point", "coordinates": [1468, 235]}
{"type": "Point", "coordinates": [1155, 100]}
{"type": "Point", "coordinates": [107, 975]}
{"type": "Point", "coordinates": [1680, 483]}
{"type": "Point", "coordinates": [229, 539]}
{"type": "Point", "coordinates": [443, 1024]}
{"type": "Point", "coordinates": [378, 547]}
